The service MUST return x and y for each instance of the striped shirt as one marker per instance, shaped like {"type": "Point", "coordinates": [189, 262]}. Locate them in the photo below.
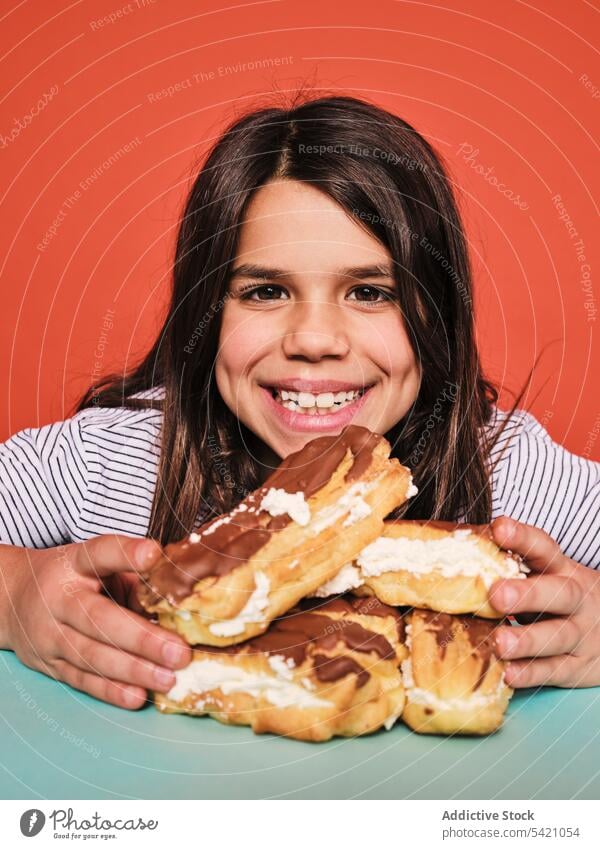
{"type": "Point", "coordinates": [96, 473]}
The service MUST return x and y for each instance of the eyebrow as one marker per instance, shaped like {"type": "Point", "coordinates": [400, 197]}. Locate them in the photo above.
{"type": "Point", "coordinates": [359, 272]}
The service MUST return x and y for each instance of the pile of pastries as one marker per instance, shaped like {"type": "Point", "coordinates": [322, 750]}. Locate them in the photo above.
{"type": "Point", "coordinates": [312, 616]}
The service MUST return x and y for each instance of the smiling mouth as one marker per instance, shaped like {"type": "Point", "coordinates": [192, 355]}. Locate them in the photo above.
{"type": "Point", "coordinates": [321, 404]}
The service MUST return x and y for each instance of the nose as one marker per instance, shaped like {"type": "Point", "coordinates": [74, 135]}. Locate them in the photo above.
{"type": "Point", "coordinates": [315, 330]}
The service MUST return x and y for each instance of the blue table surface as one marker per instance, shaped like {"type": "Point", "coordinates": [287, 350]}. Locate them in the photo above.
{"type": "Point", "coordinates": [58, 743]}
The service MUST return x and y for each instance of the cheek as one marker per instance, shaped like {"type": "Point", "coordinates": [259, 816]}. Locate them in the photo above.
{"type": "Point", "coordinates": [389, 347]}
{"type": "Point", "coordinates": [242, 342]}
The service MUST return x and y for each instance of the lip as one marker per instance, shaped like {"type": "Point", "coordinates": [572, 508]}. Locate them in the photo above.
{"type": "Point", "coordinates": [305, 423]}
{"type": "Point", "coordinates": [296, 384]}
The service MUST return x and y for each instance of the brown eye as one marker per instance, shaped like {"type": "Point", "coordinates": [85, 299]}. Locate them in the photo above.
{"type": "Point", "coordinates": [263, 293]}
{"type": "Point", "coordinates": [370, 295]}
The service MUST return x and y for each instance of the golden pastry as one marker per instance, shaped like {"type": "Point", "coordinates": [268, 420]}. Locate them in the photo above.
{"type": "Point", "coordinates": [454, 682]}
{"type": "Point", "coordinates": [227, 581]}
{"type": "Point", "coordinates": [443, 566]}
{"type": "Point", "coordinates": [322, 670]}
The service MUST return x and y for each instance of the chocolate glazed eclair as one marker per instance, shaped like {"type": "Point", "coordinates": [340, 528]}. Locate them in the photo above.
{"type": "Point", "coordinates": [453, 680]}
{"type": "Point", "coordinates": [444, 566]}
{"type": "Point", "coordinates": [228, 580]}
{"type": "Point", "coordinates": [321, 670]}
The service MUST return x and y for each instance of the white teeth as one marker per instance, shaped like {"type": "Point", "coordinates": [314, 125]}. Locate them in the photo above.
{"type": "Point", "coordinates": [306, 399]}
{"type": "Point", "coordinates": [309, 404]}
{"type": "Point", "coordinates": [325, 399]}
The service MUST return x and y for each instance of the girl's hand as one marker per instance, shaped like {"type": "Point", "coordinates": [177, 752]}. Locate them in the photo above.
{"type": "Point", "coordinates": [122, 588]}
{"type": "Point", "coordinates": [62, 623]}
{"type": "Point", "coordinates": [561, 646]}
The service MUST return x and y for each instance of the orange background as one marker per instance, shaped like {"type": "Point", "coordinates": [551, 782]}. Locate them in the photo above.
{"type": "Point", "coordinates": [519, 84]}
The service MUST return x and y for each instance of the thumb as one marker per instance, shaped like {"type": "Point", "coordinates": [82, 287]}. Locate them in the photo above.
{"type": "Point", "coordinates": [104, 555]}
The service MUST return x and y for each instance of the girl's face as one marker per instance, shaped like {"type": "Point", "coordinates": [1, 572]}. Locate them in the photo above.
{"type": "Point", "coordinates": [312, 336]}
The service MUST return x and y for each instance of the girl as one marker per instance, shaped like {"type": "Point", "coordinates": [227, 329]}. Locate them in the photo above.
{"type": "Point", "coordinates": [321, 277]}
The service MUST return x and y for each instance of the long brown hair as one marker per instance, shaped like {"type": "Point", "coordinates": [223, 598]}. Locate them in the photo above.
{"type": "Point", "coordinates": [386, 175]}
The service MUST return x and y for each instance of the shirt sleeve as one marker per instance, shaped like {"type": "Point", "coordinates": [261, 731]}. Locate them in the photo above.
{"type": "Point", "coordinates": [541, 483]}
{"type": "Point", "coordinates": [43, 481]}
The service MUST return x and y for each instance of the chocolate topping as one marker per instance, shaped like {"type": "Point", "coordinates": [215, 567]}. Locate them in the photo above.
{"type": "Point", "coordinates": [441, 625]}
{"type": "Point", "coordinates": [231, 540]}
{"type": "Point", "coordinates": [480, 633]}
{"type": "Point", "coordinates": [325, 633]}
{"type": "Point", "coordinates": [481, 637]}
{"type": "Point", "coordinates": [292, 636]}
{"type": "Point", "coordinates": [334, 668]}
{"type": "Point", "coordinates": [483, 671]}
{"type": "Point", "coordinates": [365, 605]}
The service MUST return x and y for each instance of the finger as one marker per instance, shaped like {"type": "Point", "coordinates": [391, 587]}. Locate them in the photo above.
{"type": "Point", "coordinates": [548, 593]}
{"type": "Point", "coordinates": [122, 588]}
{"type": "Point", "coordinates": [101, 619]}
{"type": "Point", "coordinates": [132, 601]}
{"type": "Point", "coordinates": [544, 639]}
{"type": "Point", "coordinates": [541, 552]}
{"type": "Point", "coordinates": [557, 671]}
{"type": "Point", "coordinates": [114, 692]}
{"type": "Point", "coordinates": [114, 588]}
{"type": "Point", "coordinates": [101, 556]}
{"type": "Point", "coordinates": [108, 662]}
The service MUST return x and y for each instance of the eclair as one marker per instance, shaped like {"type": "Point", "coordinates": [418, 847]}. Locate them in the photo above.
{"type": "Point", "coordinates": [228, 580]}
{"type": "Point", "coordinates": [453, 681]}
{"type": "Point", "coordinates": [321, 670]}
{"type": "Point", "coordinates": [444, 566]}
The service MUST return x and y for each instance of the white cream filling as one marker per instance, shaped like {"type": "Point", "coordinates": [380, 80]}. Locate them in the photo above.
{"type": "Point", "coordinates": [359, 509]}
{"type": "Point", "coordinates": [282, 666]}
{"type": "Point", "coordinates": [412, 490]}
{"type": "Point", "coordinates": [278, 501]}
{"type": "Point", "coordinates": [202, 676]}
{"type": "Point", "coordinates": [223, 520]}
{"type": "Point", "coordinates": [391, 720]}
{"type": "Point", "coordinates": [348, 578]}
{"type": "Point", "coordinates": [449, 556]}
{"type": "Point", "coordinates": [184, 614]}
{"type": "Point", "coordinates": [351, 502]}
{"type": "Point", "coordinates": [251, 612]}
